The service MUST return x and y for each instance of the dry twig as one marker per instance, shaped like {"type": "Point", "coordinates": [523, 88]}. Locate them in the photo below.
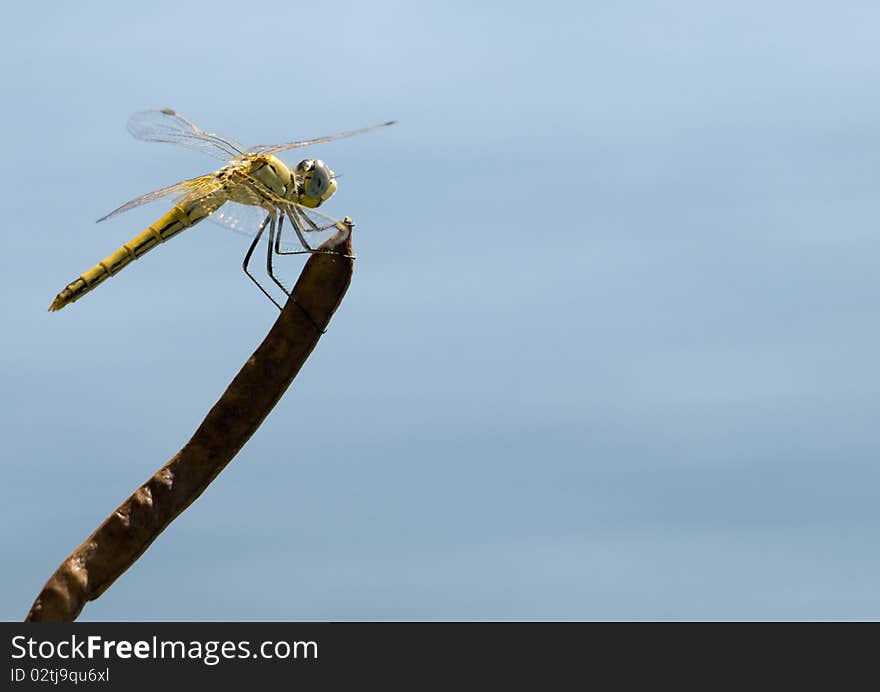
{"type": "Point", "coordinates": [137, 522]}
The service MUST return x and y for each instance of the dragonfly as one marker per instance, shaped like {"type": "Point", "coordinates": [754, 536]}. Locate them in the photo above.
{"type": "Point", "coordinates": [253, 179]}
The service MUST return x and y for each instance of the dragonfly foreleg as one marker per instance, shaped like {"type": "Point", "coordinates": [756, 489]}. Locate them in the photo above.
{"type": "Point", "coordinates": [294, 216]}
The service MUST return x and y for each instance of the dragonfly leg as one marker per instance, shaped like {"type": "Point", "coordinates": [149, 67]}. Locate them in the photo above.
{"type": "Point", "coordinates": [247, 257]}
{"type": "Point", "coordinates": [302, 239]}
{"type": "Point", "coordinates": [309, 250]}
{"type": "Point", "coordinates": [270, 271]}
{"type": "Point", "coordinates": [273, 242]}
{"type": "Point", "coordinates": [278, 250]}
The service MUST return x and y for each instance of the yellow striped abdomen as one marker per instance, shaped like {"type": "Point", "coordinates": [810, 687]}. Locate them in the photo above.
{"type": "Point", "coordinates": [169, 225]}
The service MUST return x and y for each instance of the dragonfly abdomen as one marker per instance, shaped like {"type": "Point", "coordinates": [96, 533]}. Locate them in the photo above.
{"type": "Point", "coordinates": [164, 228]}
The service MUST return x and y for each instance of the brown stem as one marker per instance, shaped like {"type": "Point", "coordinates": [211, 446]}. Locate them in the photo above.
{"type": "Point", "coordinates": [128, 532]}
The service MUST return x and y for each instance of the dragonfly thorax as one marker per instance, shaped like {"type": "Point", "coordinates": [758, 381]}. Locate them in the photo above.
{"type": "Point", "coordinates": [316, 182]}
{"type": "Point", "coordinates": [271, 172]}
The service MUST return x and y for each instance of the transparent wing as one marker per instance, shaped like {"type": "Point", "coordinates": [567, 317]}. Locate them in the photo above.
{"type": "Point", "coordinates": [276, 148]}
{"type": "Point", "coordinates": [171, 127]}
{"type": "Point", "coordinates": [241, 218]}
{"type": "Point", "coordinates": [202, 185]}
{"type": "Point", "coordinates": [245, 220]}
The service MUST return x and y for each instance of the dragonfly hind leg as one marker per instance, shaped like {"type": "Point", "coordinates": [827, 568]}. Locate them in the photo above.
{"type": "Point", "coordinates": [247, 258]}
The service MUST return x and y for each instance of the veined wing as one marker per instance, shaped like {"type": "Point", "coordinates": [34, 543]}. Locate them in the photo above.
{"type": "Point", "coordinates": [246, 219]}
{"type": "Point", "coordinates": [170, 127]}
{"type": "Point", "coordinates": [241, 218]}
{"type": "Point", "coordinates": [277, 148]}
{"type": "Point", "coordinates": [194, 187]}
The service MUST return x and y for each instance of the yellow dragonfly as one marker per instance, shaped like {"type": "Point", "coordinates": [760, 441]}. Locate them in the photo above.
{"type": "Point", "coordinates": [252, 179]}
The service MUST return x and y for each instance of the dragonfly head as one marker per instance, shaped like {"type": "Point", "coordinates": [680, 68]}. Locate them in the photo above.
{"type": "Point", "coordinates": [317, 182]}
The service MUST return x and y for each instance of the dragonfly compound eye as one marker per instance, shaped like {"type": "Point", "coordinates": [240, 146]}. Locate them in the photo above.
{"type": "Point", "coordinates": [319, 184]}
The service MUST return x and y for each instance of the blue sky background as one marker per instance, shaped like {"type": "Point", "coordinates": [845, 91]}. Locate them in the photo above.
{"type": "Point", "coordinates": [611, 346]}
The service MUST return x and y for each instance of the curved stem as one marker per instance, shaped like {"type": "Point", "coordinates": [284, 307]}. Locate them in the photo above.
{"type": "Point", "coordinates": [123, 537]}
